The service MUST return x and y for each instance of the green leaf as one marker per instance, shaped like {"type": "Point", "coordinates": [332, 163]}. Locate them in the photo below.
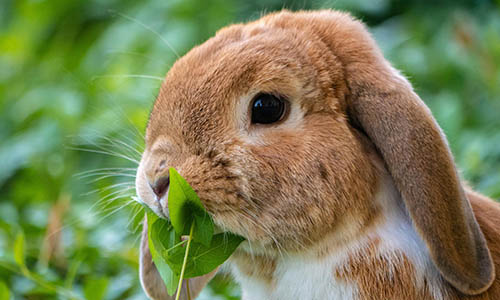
{"type": "Point", "coordinates": [95, 288]}
{"type": "Point", "coordinates": [202, 253]}
{"type": "Point", "coordinates": [4, 291]}
{"type": "Point", "coordinates": [158, 229]}
{"type": "Point", "coordinates": [185, 207]}
{"type": "Point", "coordinates": [203, 228]}
{"type": "Point", "coordinates": [202, 259]}
{"type": "Point", "coordinates": [19, 249]}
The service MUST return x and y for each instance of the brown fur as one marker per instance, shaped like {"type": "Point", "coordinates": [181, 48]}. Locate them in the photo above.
{"type": "Point", "coordinates": [379, 278]}
{"type": "Point", "coordinates": [286, 186]}
{"type": "Point", "coordinates": [259, 267]}
{"type": "Point", "coordinates": [488, 216]}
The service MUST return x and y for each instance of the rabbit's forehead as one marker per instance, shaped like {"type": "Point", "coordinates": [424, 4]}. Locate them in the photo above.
{"type": "Point", "coordinates": [199, 96]}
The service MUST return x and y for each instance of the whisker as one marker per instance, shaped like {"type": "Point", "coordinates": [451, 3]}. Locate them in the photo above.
{"type": "Point", "coordinates": [73, 223]}
{"type": "Point", "coordinates": [103, 203]}
{"type": "Point", "coordinates": [149, 29]}
{"type": "Point", "coordinates": [108, 199]}
{"type": "Point", "coordinates": [136, 133]}
{"type": "Point", "coordinates": [106, 175]}
{"type": "Point", "coordinates": [107, 188]}
{"type": "Point", "coordinates": [116, 149]}
{"type": "Point", "coordinates": [114, 143]}
{"type": "Point", "coordinates": [127, 76]}
{"type": "Point", "coordinates": [114, 210]}
{"type": "Point", "coordinates": [103, 169]}
{"type": "Point", "coordinates": [96, 173]}
{"type": "Point", "coordinates": [121, 190]}
{"type": "Point", "coordinates": [109, 206]}
{"type": "Point", "coordinates": [131, 53]}
{"type": "Point", "coordinates": [105, 153]}
{"type": "Point", "coordinates": [251, 216]}
{"type": "Point", "coordinates": [136, 211]}
{"type": "Point", "coordinates": [140, 146]}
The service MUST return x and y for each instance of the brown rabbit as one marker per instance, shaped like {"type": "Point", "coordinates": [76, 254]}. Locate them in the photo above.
{"type": "Point", "coordinates": [298, 135]}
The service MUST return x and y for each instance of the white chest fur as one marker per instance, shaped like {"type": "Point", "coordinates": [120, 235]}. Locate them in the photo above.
{"type": "Point", "coordinates": [298, 278]}
{"type": "Point", "coordinates": [306, 276]}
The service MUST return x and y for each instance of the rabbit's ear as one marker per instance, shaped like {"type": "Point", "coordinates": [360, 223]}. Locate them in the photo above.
{"type": "Point", "coordinates": [150, 277]}
{"type": "Point", "coordinates": [419, 160]}
{"type": "Point", "coordinates": [383, 104]}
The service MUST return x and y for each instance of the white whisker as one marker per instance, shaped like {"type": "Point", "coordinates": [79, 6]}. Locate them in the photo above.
{"type": "Point", "coordinates": [103, 169]}
{"type": "Point", "coordinates": [109, 199]}
{"type": "Point", "coordinates": [117, 149]}
{"type": "Point", "coordinates": [114, 210]}
{"type": "Point", "coordinates": [128, 76]}
{"type": "Point", "coordinates": [121, 143]}
{"type": "Point", "coordinates": [136, 211]}
{"type": "Point", "coordinates": [251, 216]}
{"type": "Point", "coordinates": [105, 153]}
{"type": "Point", "coordinates": [119, 194]}
{"type": "Point", "coordinates": [131, 53]}
{"type": "Point", "coordinates": [107, 188]}
{"type": "Point", "coordinates": [73, 223]}
{"type": "Point", "coordinates": [140, 146]}
{"type": "Point", "coordinates": [149, 29]}
{"type": "Point", "coordinates": [107, 175]}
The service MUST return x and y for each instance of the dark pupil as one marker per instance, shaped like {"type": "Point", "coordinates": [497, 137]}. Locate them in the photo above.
{"type": "Point", "coordinates": [267, 109]}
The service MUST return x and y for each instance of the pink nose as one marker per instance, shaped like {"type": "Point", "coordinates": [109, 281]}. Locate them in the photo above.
{"type": "Point", "coordinates": [160, 186]}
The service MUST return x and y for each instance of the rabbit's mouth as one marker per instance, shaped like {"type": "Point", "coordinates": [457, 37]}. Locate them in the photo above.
{"type": "Point", "coordinates": [158, 210]}
{"type": "Point", "coordinates": [224, 203]}
{"type": "Point", "coordinates": [154, 196]}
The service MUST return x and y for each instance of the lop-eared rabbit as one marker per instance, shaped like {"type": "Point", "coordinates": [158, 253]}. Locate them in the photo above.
{"type": "Point", "coordinates": [298, 135]}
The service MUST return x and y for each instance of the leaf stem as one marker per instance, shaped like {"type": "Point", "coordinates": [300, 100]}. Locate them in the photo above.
{"type": "Point", "coordinates": [187, 289]}
{"type": "Point", "coordinates": [176, 245]}
{"type": "Point", "coordinates": [184, 263]}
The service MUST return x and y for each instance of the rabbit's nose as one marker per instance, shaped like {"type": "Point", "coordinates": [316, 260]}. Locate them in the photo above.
{"type": "Point", "coordinates": [160, 186]}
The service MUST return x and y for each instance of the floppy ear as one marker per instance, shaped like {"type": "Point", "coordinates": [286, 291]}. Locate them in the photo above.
{"type": "Point", "coordinates": [384, 105]}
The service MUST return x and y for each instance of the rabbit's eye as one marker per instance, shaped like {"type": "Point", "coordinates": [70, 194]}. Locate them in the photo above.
{"type": "Point", "coordinates": [267, 109]}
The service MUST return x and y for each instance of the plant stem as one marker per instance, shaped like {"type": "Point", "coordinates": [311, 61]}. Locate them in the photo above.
{"type": "Point", "coordinates": [176, 245]}
{"type": "Point", "coordinates": [184, 263]}
{"type": "Point", "coordinates": [187, 289]}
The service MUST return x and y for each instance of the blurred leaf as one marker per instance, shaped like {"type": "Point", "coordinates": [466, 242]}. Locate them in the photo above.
{"type": "Point", "coordinates": [72, 270]}
{"type": "Point", "coordinates": [19, 249]}
{"type": "Point", "coordinates": [16, 151]}
{"type": "Point", "coordinates": [4, 291]}
{"type": "Point", "coordinates": [95, 288]}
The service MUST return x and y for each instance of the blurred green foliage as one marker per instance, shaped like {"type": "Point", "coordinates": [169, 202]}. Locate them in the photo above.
{"type": "Point", "coordinates": [83, 74]}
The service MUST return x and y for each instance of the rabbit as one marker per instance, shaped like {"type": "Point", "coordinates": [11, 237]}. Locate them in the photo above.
{"type": "Point", "coordinates": [298, 135]}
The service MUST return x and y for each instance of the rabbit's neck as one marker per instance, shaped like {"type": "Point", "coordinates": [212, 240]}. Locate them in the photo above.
{"type": "Point", "coordinates": [388, 262]}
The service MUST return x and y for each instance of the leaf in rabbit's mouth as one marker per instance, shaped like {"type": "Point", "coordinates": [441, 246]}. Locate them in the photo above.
{"type": "Point", "coordinates": [202, 251]}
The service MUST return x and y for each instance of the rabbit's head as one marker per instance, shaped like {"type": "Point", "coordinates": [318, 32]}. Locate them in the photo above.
{"type": "Point", "coordinates": [276, 124]}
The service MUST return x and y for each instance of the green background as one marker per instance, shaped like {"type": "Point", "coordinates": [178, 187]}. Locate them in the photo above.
{"type": "Point", "coordinates": [83, 75]}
